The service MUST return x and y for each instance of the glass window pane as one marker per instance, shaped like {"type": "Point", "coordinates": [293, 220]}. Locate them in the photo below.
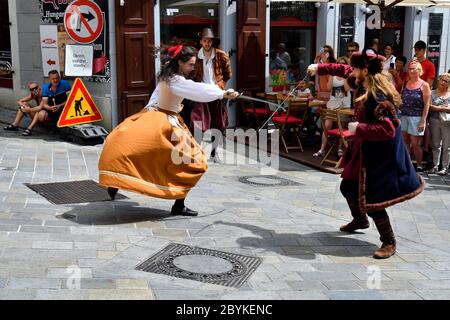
{"type": "Point", "coordinates": [182, 20]}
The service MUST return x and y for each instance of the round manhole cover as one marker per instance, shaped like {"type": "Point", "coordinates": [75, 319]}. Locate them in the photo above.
{"type": "Point", "coordinates": [267, 181]}
{"type": "Point", "coordinates": [203, 264]}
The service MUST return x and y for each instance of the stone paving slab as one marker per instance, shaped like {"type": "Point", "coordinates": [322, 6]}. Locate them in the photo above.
{"type": "Point", "coordinates": [293, 229]}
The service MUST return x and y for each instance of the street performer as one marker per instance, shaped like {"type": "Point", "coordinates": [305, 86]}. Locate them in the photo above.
{"type": "Point", "coordinates": [213, 66]}
{"type": "Point", "coordinates": [378, 172]}
{"type": "Point", "coordinates": [153, 152]}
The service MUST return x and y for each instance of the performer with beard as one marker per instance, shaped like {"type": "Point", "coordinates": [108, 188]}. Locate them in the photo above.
{"type": "Point", "coordinates": [153, 152]}
{"type": "Point", "coordinates": [378, 172]}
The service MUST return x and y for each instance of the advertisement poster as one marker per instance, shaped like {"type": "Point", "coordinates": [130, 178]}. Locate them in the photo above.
{"type": "Point", "coordinates": [53, 12]}
{"type": "Point", "coordinates": [435, 23]}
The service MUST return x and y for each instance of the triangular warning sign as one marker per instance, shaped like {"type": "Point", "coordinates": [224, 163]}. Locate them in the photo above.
{"type": "Point", "coordinates": [79, 108]}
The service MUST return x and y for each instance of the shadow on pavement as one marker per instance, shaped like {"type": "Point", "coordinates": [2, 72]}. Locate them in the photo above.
{"type": "Point", "coordinates": [125, 213]}
{"type": "Point", "coordinates": [332, 243]}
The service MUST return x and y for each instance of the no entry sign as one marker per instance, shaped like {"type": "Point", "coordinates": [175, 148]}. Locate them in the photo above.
{"type": "Point", "coordinates": [83, 21]}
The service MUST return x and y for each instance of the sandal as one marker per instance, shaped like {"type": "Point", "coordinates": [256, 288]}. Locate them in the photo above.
{"type": "Point", "coordinates": [319, 153]}
{"type": "Point", "coordinates": [27, 132]}
{"type": "Point", "coordinates": [11, 127]}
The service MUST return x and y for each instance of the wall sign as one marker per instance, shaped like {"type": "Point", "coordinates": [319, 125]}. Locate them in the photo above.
{"type": "Point", "coordinates": [53, 12]}
{"type": "Point", "coordinates": [79, 60]}
{"type": "Point", "coordinates": [435, 23]}
{"type": "Point", "coordinates": [346, 27]}
{"type": "Point", "coordinates": [49, 48]}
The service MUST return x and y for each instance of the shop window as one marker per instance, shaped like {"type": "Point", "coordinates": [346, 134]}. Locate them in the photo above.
{"type": "Point", "coordinates": [181, 21]}
{"type": "Point", "coordinates": [392, 32]}
{"type": "Point", "coordinates": [5, 47]}
{"type": "Point", "coordinates": [292, 24]}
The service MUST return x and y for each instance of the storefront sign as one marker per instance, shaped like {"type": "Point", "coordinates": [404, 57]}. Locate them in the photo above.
{"type": "Point", "coordinates": [346, 27]}
{"type": "Point", "coordinates": [79, 60]}
{"type": "Point", "coordinates": [53, 11]}
{"type": "Point", "coordinates": [435, 23]}
{"type": "Point", "coordinates": [49, 48]}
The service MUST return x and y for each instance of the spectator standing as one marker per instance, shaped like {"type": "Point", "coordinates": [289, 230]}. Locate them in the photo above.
{"type": "Point", "coordinates": [352, 47]}
{"type": "Point", "coordinates": [340, 98]}
{"type": "Point", "coordinates": [429, 71]}
{"type": "Point", "coordinates": [390, 58]}
{"type": "Point", "coordinates": [440, 124]}
{"type": "Point", "coordinates": [326, 55]}
{"type": "Point", "coordinates": [414, 111]}
{"type": "Point", "coordinates": [398, 73]}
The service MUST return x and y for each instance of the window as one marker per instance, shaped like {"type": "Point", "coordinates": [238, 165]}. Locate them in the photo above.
{"type": "Point", "coordinates": [181, 21]}
{"type": "Point", "coordinates": [392, 32]}
{"type": "Point", "coordinates": [5, 47]}
{"type": "Point", "coordinates": [293, 25]}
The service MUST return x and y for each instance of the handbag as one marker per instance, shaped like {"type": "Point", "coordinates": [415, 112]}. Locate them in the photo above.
{"type": "Point", "coordinates": [444, 116]}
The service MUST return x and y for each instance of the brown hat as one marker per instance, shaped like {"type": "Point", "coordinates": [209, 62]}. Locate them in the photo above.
{"type": "Point", "coordinates": [207, 33]}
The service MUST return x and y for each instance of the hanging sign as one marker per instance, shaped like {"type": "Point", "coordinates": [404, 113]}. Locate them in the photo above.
{"type": "Point", "coordinates": [83, 21]}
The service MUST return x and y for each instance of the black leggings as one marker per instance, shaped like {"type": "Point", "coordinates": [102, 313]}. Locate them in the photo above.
{"type": "Point", "coordinates": [350, 191]}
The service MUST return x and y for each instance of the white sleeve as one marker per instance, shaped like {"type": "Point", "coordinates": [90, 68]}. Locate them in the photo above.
{"type": "Point", "coordinates": [154, 98]}
{"type": "Point", "coordinates": [195, 91]}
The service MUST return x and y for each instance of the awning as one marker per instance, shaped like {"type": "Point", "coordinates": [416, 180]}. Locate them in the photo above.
{"type": "Point", "coordinates": [407, 3]}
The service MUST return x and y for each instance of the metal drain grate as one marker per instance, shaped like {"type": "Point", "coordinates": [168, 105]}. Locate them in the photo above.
{"type": "Point", "coordinates": [182, 261]}
{"type": "Point", "coordinates": [72, 192]}
{"type": "Point", "coordinates": [278, 182]}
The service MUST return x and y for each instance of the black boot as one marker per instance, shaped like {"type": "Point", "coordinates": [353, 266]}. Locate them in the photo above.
{"type": "Point", "coordinates": [387, 238]}
{"type": "Point", "coordinates": [179, 209]}
{"type": "Point", "coordinates": [112, 192]}
{"type": "Point", "coordinates": [359, 221]}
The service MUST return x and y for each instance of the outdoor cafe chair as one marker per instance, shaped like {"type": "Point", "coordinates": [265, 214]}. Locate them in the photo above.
{"type": "Point", "coordinates": [336, 135]}
{"type": "Point", "coordinates": [257, 114]}
{"type": "Point", "coordinates": [292, 121]}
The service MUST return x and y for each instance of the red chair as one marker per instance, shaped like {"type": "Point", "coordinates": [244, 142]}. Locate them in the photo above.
{"type": "Point", "coordinates": [257, 114]}
{"type": "Point", "coordinates": [293, 121]}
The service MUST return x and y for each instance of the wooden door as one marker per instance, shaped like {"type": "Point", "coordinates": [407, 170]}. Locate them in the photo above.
{"type": "Point", "coordinates": [135, 55]}
{"type": "Point", "coordinates": [251, 29]}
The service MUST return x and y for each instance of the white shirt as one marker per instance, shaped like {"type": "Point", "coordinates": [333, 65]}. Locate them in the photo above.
{"type": "Point", "coordinates": [208, 73]}
{"type": "Point", "coordinates": [182, 88]}
{"type": "Point", "coordinates": [388, 62]}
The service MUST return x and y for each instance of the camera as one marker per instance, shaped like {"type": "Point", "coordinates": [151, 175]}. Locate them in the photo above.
{"type": "Point", "coordinates": [419, 10]}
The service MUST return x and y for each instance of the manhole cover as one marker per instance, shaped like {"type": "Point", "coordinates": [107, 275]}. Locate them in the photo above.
{"type": "Point", "coordinates": [200, 264]}
{"type": "Point", "coordinates": [267, 181]}
{"type": "Point", "coordinates": [72, 192]}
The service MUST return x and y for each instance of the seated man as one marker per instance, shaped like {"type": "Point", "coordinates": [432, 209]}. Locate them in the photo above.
{"type": "Point", "coordinates": [28, 106]}
{"type": "Point", "coordinates": [54, 97]}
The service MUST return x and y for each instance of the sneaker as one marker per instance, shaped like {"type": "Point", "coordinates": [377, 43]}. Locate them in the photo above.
{"type": "Point", "coordinates": [340, 152]}
{"type": "Point", "coordinates": [443, 172]}
{"type": "Point", "coordinates": [319, 153]}
{"type": "Point", "coordinates": [419, 169]}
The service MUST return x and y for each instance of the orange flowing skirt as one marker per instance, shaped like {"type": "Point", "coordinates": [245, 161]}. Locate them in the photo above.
{"type": "Point", "coordinates": [151, 155]}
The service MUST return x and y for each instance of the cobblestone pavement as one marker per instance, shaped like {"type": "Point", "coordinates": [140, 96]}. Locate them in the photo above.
{"type": "Point", "coordinates": [293, 228]}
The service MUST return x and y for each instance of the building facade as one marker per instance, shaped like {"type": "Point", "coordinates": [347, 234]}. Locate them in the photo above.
{"type": "Point", "coordinates": [126, 55]}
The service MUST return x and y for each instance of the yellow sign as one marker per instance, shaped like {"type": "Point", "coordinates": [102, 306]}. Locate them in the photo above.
{"type": "Point", "coordinates": [80, 108]}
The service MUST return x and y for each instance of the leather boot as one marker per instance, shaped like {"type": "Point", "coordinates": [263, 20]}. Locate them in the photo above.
{"type": "Point", "coordinates": [387, 238]}
{"type": "Point", "coordinates": [359, 221]}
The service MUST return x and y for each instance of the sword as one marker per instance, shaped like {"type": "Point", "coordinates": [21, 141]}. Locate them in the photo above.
{"type": "Point", "coordinates": [241, 96]}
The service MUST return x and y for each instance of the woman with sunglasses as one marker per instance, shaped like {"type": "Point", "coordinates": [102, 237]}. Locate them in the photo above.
{"type": "Point", "coordinates": [440, 129]}
{"type": "Point", "coordinates": [26, 106]}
